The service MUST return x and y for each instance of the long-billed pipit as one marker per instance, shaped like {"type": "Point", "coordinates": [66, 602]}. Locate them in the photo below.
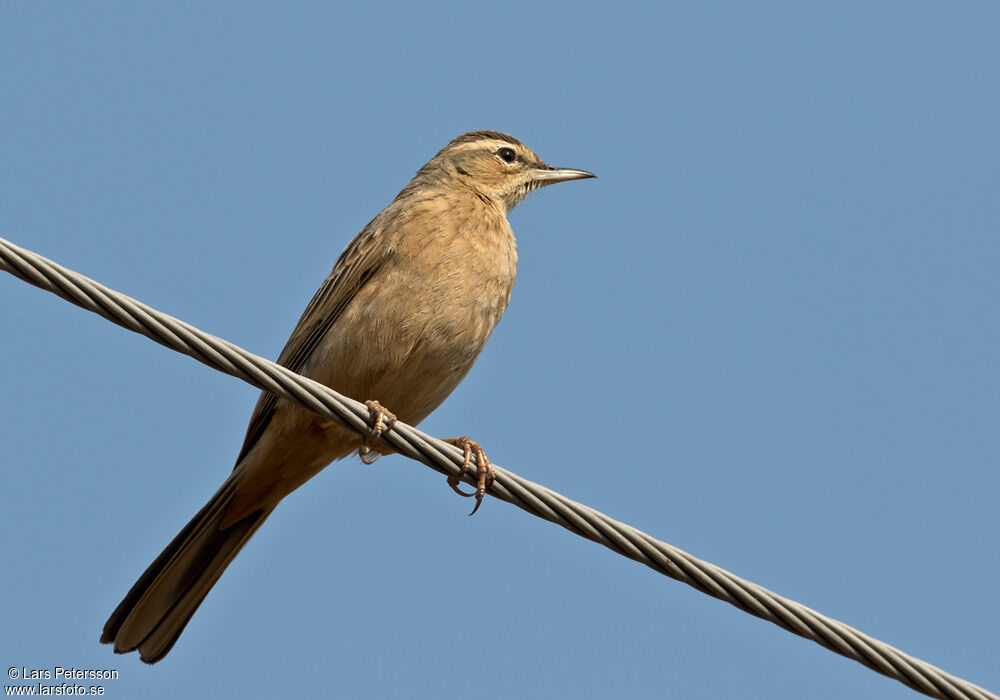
{"type": "Point", "coordinates": [399, 321]}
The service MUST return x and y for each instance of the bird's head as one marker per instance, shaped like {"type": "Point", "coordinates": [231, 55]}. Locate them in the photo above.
{"type": "Point", "coordinates": [496, 166]}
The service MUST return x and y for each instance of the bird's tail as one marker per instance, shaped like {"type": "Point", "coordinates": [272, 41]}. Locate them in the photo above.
{"type": "Point", "coordinates": [154, 613]}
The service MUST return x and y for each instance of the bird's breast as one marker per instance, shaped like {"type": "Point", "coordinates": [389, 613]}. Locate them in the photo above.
{"type": "Point", "coordinates": [413, 332]}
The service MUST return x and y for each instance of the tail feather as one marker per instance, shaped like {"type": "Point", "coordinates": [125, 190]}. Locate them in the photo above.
{"type": "Point", "coordinates": [160, 604]}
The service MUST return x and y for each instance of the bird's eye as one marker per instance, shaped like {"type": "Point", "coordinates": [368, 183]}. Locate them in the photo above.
{"type": "Point", "coordinates": [507, 155]}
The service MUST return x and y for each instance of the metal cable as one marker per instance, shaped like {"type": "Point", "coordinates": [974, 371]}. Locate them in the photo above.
{"type": "Point", "coordinates": [527, 495]}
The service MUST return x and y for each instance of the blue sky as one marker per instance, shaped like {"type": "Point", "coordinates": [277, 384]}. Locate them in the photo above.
{"type": "Point", "coordinates": [767, 335]}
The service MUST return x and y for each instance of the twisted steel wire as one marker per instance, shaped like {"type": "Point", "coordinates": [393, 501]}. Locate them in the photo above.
{"type": "Point", "coordinates": [527, 495]}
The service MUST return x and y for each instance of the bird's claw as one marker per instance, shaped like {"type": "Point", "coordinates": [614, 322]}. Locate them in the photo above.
{"type": "Point", "coordinates": [381, 421]}
{"type": "Point", "coordinates": [484, 470]}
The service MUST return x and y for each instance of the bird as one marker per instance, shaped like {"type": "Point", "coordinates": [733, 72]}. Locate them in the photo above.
{"type": "Point", "coordinates": [398, 322]}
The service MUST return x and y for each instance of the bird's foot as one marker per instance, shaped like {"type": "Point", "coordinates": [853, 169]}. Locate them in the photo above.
{"type": "Point", "coordinates": [484, 470]}
{"type": "Point", "coordinates": [381, 421]}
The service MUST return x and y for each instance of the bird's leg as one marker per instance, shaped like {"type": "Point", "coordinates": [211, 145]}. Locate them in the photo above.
{"type": "Point", "coordinates": [484, 470]}
{"type": "Point", "coordinates": [382, 422]}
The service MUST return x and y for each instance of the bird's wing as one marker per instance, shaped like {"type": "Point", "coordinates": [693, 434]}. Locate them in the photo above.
{"type": "Point", "coordinates": [356, 266]}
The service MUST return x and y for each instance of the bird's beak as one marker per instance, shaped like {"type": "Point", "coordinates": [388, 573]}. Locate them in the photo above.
{"type": "Point", "coordinates": [550, 175]}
